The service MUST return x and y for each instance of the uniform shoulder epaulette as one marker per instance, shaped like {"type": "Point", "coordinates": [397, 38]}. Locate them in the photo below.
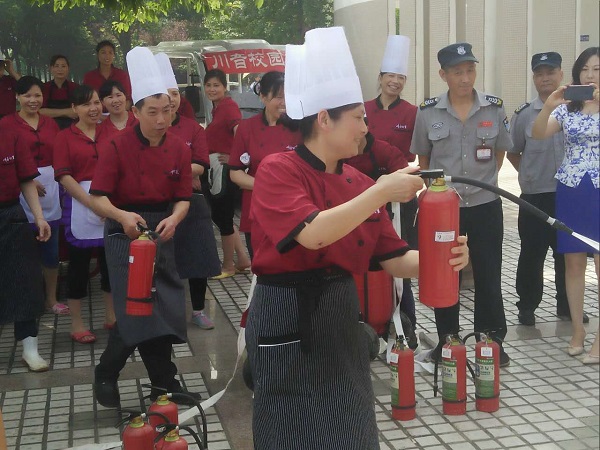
{"type": "Point", "coordinates": [522, 107]}
{"type": "Point", "coordinates": [429, 102]}
{"type": "Point", "coordinates": [497, 101]}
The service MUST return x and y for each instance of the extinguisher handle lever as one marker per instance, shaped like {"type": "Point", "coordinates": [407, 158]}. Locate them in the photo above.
{"type": "Point", "coordinates": [430, 174]}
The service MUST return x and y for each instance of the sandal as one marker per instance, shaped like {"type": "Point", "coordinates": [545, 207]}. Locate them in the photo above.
{"type": "Point", "coordinates": [223, 275]}
{"type": "Point", "coordinates": [60, 309]}
{"type": "Point", "coordinates": [84, 337]}
{"type": "Point", "coordinates": [246, 269]}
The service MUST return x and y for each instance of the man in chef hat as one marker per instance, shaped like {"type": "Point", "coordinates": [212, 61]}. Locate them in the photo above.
{"type": "Point", "coordinates": [315, 221]}
{"type": "Point", "coordinates": [143, 178]}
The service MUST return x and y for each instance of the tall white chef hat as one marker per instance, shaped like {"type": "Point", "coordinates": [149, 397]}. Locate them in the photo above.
{"type": "Point", "coordinates": [166, 70]}
{"type": "Point", "coordinates": [395, 57]}
{"type": "Point", "coordinates": [144, 73]}
{"type": "Point", "coordinates": [320, 74]}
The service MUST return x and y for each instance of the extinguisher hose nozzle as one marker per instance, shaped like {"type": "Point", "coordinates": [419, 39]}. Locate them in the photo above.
{"type": "Point", "coordinates": [513, 198]}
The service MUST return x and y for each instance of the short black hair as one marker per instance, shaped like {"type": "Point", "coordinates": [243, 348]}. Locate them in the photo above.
{"type": "Point", "coordinates": [218, 74]}
{"type": "Point", "coordinates": [141, 102]}
{"type": "Point", "coordinates": [105, 43]}
{"type": "Point", "coordinates": [82, 94]}
{"type": "Point", "coordinates": [27, 82]}
{"type": "Point", "coordinates": [270, 84]}
{"type": "Point", "coordinates": [306, 124]}
{"type": "Point", "coordinates": [107, 87]}
{"type": "Point", "coordinates": [55, 58]}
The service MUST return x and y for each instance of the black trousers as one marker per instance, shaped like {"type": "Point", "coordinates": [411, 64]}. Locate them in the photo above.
{"type": "Point", "coordinates": [248, 237]}
{"type": "Point", "coordinates": [155, 353]}
{"type": "Point", "coordinates": [198, 292]}
{"type": "Point", "coordinates": [484, 227]}
{"type": "Point", "coordinates": [408, 212]}
{"type": "Point", "coordinates": [78, 273]}
{"type": "Point", "coordinates": [536, 237]}
{"type": "Point", "coordinates": [25, 329]}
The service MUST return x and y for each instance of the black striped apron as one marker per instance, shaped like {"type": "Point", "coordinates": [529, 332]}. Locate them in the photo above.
{"type": "Point", "coordinates": [309, 395]}
{"type": "Point", "coordinates": [196, 254]}
{"type": "Point", "coordinates": [168, 314]}
{"type": "Point", "coordinates": [21, 283]}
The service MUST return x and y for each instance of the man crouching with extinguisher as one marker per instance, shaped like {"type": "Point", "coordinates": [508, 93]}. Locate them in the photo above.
{"type": "Point", "coordinates": [143, 177]}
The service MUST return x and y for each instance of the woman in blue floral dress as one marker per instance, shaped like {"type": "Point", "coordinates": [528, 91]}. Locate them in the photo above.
{"type": "Point", "coordinates": [578, 188]}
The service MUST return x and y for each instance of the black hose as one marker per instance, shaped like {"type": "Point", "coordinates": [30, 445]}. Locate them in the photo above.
{"type": "Point", "coordinates": [513, 198]}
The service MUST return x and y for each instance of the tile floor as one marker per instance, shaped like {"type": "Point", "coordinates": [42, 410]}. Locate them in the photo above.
{"type": "Point", "coordinates": [548, 399]}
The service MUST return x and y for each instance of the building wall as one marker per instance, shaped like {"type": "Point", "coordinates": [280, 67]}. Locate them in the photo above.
{"type": "Point", "coordinates": [504, 34]}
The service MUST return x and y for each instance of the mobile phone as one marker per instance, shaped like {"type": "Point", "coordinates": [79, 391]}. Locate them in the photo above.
{"type": "Point", "coordinates": [579, 92]}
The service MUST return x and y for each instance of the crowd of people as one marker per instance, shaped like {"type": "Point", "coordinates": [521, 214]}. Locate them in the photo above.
{"type": "Point", "coordinates": [94, 164]}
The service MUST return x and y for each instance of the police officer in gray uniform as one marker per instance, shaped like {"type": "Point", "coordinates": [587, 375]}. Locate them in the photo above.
{"type": "Point", "coordinates": [537, 162]}
{"type": "Point", "coordinates": [465, 132]}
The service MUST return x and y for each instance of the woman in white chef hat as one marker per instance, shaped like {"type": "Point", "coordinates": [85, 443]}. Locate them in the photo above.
{"type": "Point", "coordinates": [392, 119]}
{"type": "Point", "coordinates": [316, 220]}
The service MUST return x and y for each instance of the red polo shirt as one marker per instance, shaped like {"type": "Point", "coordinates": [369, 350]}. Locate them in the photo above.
{"type": "Point", "coordinates": [219, 133]}
{"type": "Point", "coordinates": [76, 154]}
{"type": "Point", "coordinates": [8, 99]}
{"type": "Point", "coordinates": [254, 140]}
{"type": "Point", "coordinates": [186, 109]}
{"type": "Point", "coordinates": [378, 158]}
{"type": "Point", "coordinates": [194, 136]}
{"type": "Point", "coordinates": [54, 93]}
{"type": "Point", "coordinates": [95, 79]}
{"type": "Point", "coordinates": [40, 141]}
{"type": "Point", "coordinates": [394, 125]}
{"type": "Point", "coordinates": [108, 130]}
{"type": "Point", "coordinates": [131, 172]}
{"type": "Point", "coordinates": [290, 190]}
{"type": "Point", "coordinates": [16, 167]}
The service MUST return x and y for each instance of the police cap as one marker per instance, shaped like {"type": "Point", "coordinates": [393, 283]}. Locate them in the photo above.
{"type": "Point", "coordinates": [455, 54]}
{"type": "Point", "coordinates": [551, 59]}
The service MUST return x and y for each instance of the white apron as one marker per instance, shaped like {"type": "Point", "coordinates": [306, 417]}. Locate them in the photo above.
{"type": "Point", "coordinates": [85, 224]}
{"type": "Point", "coordinates": [50, 202]}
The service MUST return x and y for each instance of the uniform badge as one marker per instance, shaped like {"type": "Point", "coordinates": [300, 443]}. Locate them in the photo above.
{"type": "Point", "coordinates": [544, 57]}
{"type": "Point", "coordinates": [245, 159]}
{"type": "Point", "coordinates": [429, 102]}
{"type": "Point", "coordinates": [437, 125]}
{"type": "Point", "coordinates": [521, 108]}
{"type": "Point", "coordinates": [494, 100]}
{"type": "Point", "coordinates": [506, 124]}
{"type": "Point", "coordinates": [461, 50]}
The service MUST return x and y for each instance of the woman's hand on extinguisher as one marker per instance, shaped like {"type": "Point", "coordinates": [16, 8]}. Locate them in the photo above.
{"type": "Point", "coordinates": [166, 227]}
{"type": "Point", "coordinates": [462, 254]}
{"type": "Point", "coordinates": [400, 186]}
{"type": "Point", "coordinates": [129, 221]}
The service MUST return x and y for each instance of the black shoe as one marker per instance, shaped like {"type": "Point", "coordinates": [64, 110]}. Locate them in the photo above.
{"type": "Point", "coordinates": [435, 354]}
{"type": "Point", "coordinates": [504, 359]}
{"type": "Point", "coordinates": [567, 316]}
{"type": "Point", "coordinates": [527, 317]}
{"type": "Point", "coordinates": [107, 394]}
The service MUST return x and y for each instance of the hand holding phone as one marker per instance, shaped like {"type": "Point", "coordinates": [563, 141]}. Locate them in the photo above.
{"type": "Point", "coordinates": [577, 92]}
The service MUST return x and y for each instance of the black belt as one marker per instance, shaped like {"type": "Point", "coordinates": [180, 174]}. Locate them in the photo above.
{"type": "Point", "coordinates": [309, 286]}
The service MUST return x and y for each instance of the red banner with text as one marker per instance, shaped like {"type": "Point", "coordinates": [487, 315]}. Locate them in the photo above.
{"type": "Point", "coordinates": [246, 60]}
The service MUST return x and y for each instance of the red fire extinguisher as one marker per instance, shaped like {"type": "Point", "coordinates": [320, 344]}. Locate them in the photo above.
{"type": "Point", "coordinates": [171, 440]}
{"type": "Point", "coordinates": [138, 435]}
{"type": "Point", "coordinates": [454, 377]}
{"type": "Point", "coordinates": [402, 364]}
{"type": "Point", "coordinates": [165, 408]}
{"type": "Point", "coordinates": [438, 230]}
{"type": "Point", "coordinates": [487, 373]}
{"type": "Point", "coordinates": [376, 296]}
{"type": "Point", "coordinates": [142, 253]}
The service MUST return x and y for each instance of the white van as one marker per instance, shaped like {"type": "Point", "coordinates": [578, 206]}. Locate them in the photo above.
{"type": "Point", "coordinates": [241, 59]}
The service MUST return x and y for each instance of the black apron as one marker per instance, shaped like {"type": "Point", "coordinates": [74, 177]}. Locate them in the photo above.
{"type": "Point", "coordinates": [62, 122]}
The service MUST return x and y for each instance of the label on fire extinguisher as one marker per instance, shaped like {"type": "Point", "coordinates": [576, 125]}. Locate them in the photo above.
{"type": "Point", "coordinates": [449, 380]}
{"type": "Point", "coordinates": [444, 236]}
{"type": "Point", "coordinates": [130, 259]}
{"type": "Point", "coordinates": [484, 377]}
{"type": "Point", "coordinates": [487, 352]}
{"type": "Point", "coordinates": [394, 379]}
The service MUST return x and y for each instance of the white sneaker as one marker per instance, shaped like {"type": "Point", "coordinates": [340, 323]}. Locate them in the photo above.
{"type": "Point", "coordinates": [31, 357]}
